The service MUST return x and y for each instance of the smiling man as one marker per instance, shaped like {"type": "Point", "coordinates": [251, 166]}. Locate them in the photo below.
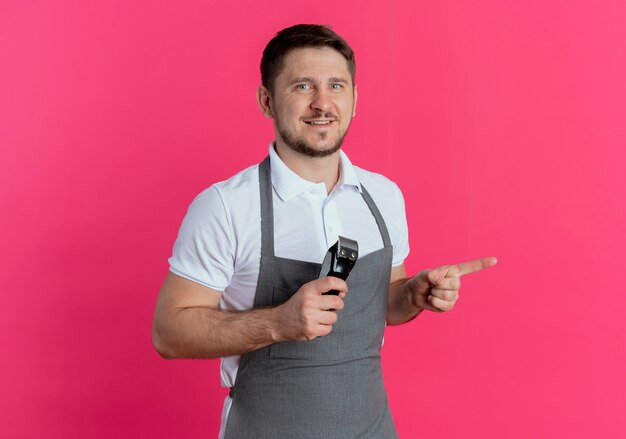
{"type": "Point", "coordinates": [244, 281]}
{"type": "Point", "coordinates": [310, 122]}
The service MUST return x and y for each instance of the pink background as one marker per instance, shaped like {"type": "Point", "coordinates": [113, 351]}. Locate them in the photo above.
{"type": "Point", "coordinates": [502, 121]}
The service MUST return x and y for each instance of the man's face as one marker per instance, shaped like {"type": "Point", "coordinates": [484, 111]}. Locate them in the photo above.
{"type": "Point", "coordinates": [313, 101]}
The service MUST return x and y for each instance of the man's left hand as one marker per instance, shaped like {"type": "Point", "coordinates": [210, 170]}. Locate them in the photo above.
{"type": "Point", "coordinates": [438, 290]}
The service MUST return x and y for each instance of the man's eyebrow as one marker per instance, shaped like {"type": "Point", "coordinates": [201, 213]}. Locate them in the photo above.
{"type": "Point", "coordinates": [314, 81]}
{"type": "Point", "coordinates": [302, 79]}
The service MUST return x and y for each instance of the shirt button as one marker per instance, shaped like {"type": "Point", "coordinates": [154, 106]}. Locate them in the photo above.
{"type": "Point", "coordinates": [313, 192]}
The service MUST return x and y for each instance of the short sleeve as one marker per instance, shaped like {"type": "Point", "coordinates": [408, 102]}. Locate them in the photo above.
{"type": "Point", "coordinates": [203, 251]}
{"type": "Point", "coordinates": [401, 246]}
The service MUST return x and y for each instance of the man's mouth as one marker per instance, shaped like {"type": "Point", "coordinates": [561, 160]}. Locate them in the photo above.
{"type": "Point", "coordinates": [319, 121]}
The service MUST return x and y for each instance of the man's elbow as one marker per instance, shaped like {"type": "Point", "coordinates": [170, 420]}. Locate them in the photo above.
{"type": "Point", "coordinates": [160, 346]}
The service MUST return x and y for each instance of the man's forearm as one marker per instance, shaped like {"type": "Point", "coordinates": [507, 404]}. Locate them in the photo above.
{"type": "Point", "coordinates": [400, 308]}
{"type": "Point", "coordinates": [201, 332]}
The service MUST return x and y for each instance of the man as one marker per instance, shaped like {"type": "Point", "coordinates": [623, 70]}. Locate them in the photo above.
{"type": "Point", "coordinates": [243, 282]}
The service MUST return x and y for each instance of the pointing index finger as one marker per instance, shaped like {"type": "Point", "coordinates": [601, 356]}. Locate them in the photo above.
{"type": "Point", "coordinates": [471, 266]}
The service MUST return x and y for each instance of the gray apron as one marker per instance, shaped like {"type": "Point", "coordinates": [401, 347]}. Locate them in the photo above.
{"type": "Point", "coordinates": [330, 387]}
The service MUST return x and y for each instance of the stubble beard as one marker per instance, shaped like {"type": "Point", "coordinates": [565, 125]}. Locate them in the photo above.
{"type": "Point", "coordinates": [298, 144]}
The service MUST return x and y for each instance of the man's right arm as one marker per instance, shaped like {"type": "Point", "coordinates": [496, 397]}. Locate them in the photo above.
{"type": "Point", "coordinates": [189, 324]}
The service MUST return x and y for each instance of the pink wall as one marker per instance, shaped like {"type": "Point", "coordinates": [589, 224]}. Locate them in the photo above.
{"type": "Point", "coordinates": [502, 121]}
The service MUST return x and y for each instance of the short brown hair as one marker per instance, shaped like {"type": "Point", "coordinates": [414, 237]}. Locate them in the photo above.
{"type": "Point", "coordinates": [299, 36]}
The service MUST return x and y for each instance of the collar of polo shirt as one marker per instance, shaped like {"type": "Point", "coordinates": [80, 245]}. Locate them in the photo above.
{"type": "Point", "coordinates": [289, 185]}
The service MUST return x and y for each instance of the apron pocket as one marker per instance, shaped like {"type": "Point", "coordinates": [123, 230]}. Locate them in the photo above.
{"type": "Point", "coordinates": [281, 295]}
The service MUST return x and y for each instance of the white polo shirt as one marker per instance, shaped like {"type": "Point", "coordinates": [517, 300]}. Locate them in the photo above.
{"type": "Point", "coordinates": [219, 241]}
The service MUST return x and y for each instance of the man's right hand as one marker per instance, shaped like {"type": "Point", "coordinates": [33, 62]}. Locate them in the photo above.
{"type": "Point", "coordinates": [308, 313]}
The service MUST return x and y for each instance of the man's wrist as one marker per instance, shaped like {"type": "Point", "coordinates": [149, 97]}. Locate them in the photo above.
{"type": "Point", "coordinates": [412, 309]}
{"type": "Point", "coordinates": [274, 325]}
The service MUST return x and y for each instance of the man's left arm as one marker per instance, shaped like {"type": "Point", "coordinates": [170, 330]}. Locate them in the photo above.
{"type": "Point", "coordinates": [434, 290]}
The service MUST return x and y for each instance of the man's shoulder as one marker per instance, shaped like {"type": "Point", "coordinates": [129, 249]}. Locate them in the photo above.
{"type": "Point", "coordinates": [375, 182]}
{"type": "Point", "coordinates": [232, 192]}
{"type": "Point", "coordinates": [246, 179]}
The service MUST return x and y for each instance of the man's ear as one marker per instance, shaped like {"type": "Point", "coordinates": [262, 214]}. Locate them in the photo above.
{"type": "Point", "coordinates": [356, 95]}
{"type": "Point", "coordinates": [264, 99]}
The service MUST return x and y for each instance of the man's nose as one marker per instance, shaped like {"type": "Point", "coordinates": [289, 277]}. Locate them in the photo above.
{"type": "Point", "coordinates": [321, 100]}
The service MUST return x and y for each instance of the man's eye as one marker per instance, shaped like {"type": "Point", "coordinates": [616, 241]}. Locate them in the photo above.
{"type": "Point", "coordinates": [303, 86]}
{"type": "Point", "coordinates": [337, 86]}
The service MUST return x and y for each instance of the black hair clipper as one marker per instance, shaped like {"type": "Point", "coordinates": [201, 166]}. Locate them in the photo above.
{"type": "Point", "coordinates": [339, 260]}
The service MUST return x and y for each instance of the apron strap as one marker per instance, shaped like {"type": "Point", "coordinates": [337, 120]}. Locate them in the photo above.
{"type": "Point", "coordinates": [382, 227]}
{"type": "Point", "coordinates": [267, 208]}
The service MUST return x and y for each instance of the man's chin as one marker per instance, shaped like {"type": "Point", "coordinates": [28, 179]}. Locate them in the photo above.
{"type": "Point", "coordinates": [315, 150]}
{"type": "Point", "coordinates": [313, 146]}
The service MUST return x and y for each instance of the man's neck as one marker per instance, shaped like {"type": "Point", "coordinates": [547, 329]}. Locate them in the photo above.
{"type": "Point", "coordinates": [316, 169]}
